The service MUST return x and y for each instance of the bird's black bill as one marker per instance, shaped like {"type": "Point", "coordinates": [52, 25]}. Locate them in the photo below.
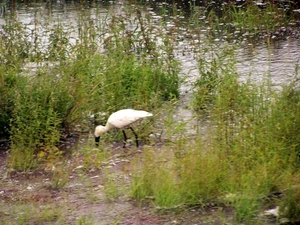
{"type": "Point", "coordinates": [97, 140]}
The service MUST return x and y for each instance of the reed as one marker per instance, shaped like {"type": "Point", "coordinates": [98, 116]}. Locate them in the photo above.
{"type": "Point", "coordinates": [254, 19]}
{"type": "Point", "coordinates": [125, 69]}
{"type": "Point", "coordinates": [249, 151]}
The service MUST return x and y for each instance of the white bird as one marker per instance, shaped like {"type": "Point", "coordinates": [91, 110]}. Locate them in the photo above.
{"type": "Point", "coordinates": [121, 119]}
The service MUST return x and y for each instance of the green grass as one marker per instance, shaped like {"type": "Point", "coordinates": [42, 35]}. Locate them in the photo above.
{"type": "Point", "coordinates": [31, 213]}
{"type": "Point", "coordinates": [249, 150]}
{"type": "Point", "coordinates": [87, 77]}
{"type": "Point", "coordinates": [253, 19]}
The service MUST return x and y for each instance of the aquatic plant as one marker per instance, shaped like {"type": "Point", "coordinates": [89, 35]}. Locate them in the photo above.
{"type": "Point", "coordinates": [249, 150]}
{"type": "Point", "coordinates": [52, 88]}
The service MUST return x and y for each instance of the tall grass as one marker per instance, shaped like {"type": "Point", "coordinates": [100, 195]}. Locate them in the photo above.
{"type": "Point", "coordinates": [126, 68]}
{"type": "Point", "coordinates": [250, 150]}
{"type": "Point", "coordinates": [252, 18]}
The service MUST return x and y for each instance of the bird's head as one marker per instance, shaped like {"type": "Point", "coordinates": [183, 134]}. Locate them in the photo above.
{"type": "Point", "coordinates": [99, 130]}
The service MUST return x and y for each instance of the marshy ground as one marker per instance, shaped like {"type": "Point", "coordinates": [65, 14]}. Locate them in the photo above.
{"type": "Point", "coordinates": [251, 144]}
{"type": "Point", "coordinates": [77, 195]}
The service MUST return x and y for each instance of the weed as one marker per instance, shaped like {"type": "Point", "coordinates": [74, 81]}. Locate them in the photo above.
{"type": "Point", "coordinates": [111, 186]}
{"type": "Point", "coordinates": [32, 213]}
{"type": "Point", "coordinates": [244, 154]}
{"type": "Point", "coordinates": [60, 176]}
{"type": "Point", "coordinates": [250, 150]}
{"type": "Point", "coordinates": [80, 80]}
{"type": "Point", "coordinates": [254, 19]}
{"type": "Point", "coordinates": [93, 158]}
{"type": "Point", "coordinates": [289, 207]}
{"type": "Point", "coordinates": [85, 220]}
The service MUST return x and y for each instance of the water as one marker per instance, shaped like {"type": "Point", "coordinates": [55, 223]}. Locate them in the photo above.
{"type": "Point", "coordinates": [277, 59]}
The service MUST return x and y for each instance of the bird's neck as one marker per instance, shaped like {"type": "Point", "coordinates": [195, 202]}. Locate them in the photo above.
{"type": "Point", "coordinates": [108, 126]}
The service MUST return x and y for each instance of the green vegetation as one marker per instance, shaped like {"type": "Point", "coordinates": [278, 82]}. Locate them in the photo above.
{"type": "Point", "coordinates": [249, 150]}
{"type": "Point", "coordinates": [95, 74]}
{"type": "Point", "coordinates": [253, 18]}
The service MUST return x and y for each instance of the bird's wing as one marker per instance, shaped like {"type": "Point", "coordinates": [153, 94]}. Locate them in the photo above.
{"type": "Point", "coordinates": [121, 122]}
{"type": "Point", "coordinates": [124, 118]}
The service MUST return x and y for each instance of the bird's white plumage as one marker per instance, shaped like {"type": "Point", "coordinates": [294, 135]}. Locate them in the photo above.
{"type": "Point", "coordinates": [125, 117]}
{"type": "Point", "coordinates": [121, 119]}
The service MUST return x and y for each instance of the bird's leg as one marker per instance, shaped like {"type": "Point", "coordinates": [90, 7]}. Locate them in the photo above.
{"type": "Point", "coordinates": [97, 140]}
{"type": "Point", "coordinates": [136, 137]}
{"type": "Point", "coordinates": [125, 138]}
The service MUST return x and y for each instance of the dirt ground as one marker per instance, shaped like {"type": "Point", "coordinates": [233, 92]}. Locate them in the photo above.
{"type": "Point", "coordinates": [30, 198]}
